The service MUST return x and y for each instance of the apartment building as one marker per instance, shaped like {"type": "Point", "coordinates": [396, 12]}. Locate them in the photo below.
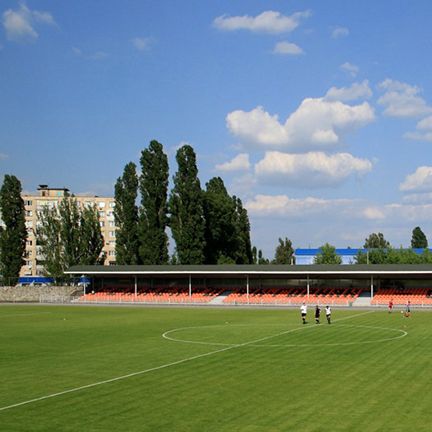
{"type": "Point", "coordinates": [50, 197]}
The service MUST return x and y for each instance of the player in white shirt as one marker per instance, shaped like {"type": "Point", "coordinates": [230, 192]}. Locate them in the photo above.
{"type": "Point", "coordinates": [328, 314]}
{"type": "Point", "coordinates": [303, 310]}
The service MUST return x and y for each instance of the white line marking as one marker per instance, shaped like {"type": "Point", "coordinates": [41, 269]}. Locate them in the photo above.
{"type": "Point", "coordinates": [403, 334]}
{"type": "Point", "coordinates": [50, 396]}
{"type": "Point", "coordinates": [23, 314]}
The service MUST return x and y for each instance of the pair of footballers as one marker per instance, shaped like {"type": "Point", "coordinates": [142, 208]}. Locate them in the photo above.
{"type": "Point", "coordinates": [303, 311]}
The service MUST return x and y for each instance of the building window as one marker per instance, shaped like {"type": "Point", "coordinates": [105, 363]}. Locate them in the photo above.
{"type": "Point", "coordinates": [29, 242]}
{"type": "Point", "coordinates": [102, 204]}
{"type": "Point", "coordinates": [111, 253]}
{"type": "Point", "coordinates": [102, 224]}
{"type": "Point", "coordinates": [28, 203]}
{"type": "Point", "coordinates": [112, 234]}
{"type": "Point", "coordinates": [29, 213]}
{"type": "Point", "coordinates": [112, 204]}
{"type": "Point", "coordinates": [112, 224]}
{"type": "Point", "coordinates": [101, 214]}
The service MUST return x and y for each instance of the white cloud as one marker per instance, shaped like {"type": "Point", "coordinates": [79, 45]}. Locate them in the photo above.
{"type": "Point", "coordinates": [316, 124]}
{"type": "Point", "coordinates": [424, 131]}
{"type": "Point", "coordinates": [266, 22]}
{"type": "Point", "coordinates": [339, 32]}
{"type": "Point", "coordinates": [355, 91]}
{"type": "Point", "coordinates": [314, 169]}
{"type": "Point", "coordinates": [419, 181]}
{"type": "Point", "coordinates": [142, 44]}
{"type": "Point", "coordinates": [98, 55]}
{"type": "Point", "coordinates": [350, 68]}
{"type": "Point", "coordinates": [402, 100]}
{"type": "Point", "coordinates": [20, 24]}
{"type": "Point", "coordinates": [373, 213]}
{"type": "Point", "coordinates": [239, 163]}
{"type": "Point", "coordinates": [287, 48]}
{"type": "Point", "coordinates": [3, 156]}
{"type": "Point", "coordinates": [282, 205]}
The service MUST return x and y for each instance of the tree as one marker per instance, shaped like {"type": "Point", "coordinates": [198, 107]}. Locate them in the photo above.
{"type": "Point", "coordinates": [376, 241]}
{"type": "Point", "coordinates": [91, 239]}
{"type": "Point", "coordinates": [254, 255]}
{"type": "Point", "coordinates": [126, 216]}
{"type": "Point", "coordinates": [220, 228]}
{"type": "Point", "coordinates": [242, 224]}
{"type": "Point", "coordinates": [284, 253]}
{"type": "Point", "coordinates": [186, 208]}
{"type": "Point", "coordinates": [14, 234]}
{"type": "Point", "coordinates": [418, 239]}
{"type": "Point", "coordinates": [69, 235]}
{"type": "Point", "coordinates": [261, 259]}
{"type": "Point", "coordinates": [153, 218]}
{"type": "Point", "coordinates": [327, 255]}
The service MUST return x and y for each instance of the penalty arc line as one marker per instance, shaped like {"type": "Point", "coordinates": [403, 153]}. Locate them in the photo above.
{"type": "Point", "coordinates": [76, 389]}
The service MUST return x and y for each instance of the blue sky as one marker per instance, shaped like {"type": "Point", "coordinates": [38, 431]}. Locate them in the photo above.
{"type": "Point", "coordinates": [317, 114]}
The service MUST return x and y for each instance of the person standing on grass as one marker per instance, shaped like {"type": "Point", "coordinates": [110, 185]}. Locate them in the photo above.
{"type": "Point", "coordinates": [390, 306]}
{"type": "Point", "coordinates": [408, 309]}
{"type": "Point", "coordinates": [303, 311]}
{"type": "Point", "coordinates": [328, 314]}
{"type": "Point", "coordinates": [317, 314]}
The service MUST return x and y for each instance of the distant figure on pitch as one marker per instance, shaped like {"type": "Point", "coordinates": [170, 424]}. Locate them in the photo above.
{"type": "Point", "coordinates": [303, 310]}
{"type": "Point", "coordinates": [407, 313]}
{"type": "Point", "coordinates": [390, 306]}
{"type": "Point", "coordinates": [328, 314]}
{"type": "Point", "coordinates": [317, 314]}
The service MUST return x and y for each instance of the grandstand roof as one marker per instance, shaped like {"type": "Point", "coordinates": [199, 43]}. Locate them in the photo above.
{"type": "Point", "coordinates": [355, 270]}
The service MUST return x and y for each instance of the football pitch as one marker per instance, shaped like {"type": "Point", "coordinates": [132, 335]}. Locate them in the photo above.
{"type": "Point", "coordinates": [213, 369]}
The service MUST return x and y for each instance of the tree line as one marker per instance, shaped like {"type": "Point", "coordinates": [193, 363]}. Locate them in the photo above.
{"type": "Point", "coordinates": [208, 225]}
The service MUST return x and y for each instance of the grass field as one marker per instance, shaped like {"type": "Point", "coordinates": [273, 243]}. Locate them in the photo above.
{"type": "Point", "coordinates": [213, 370]}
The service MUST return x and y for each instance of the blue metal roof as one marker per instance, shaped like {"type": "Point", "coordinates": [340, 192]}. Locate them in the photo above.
{"type": "Point", "coordinates": [316, 251]}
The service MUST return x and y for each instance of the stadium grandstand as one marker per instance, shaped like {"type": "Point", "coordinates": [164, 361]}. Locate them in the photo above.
{"type": "Point", "coordinates": [349, 285]}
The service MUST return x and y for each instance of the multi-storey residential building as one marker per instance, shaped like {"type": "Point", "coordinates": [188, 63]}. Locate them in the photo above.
{"type": "Point", "coordinates": [34, 203]}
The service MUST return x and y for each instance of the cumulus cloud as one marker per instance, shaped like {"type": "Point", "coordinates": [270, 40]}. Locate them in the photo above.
{"type": "Point", "coordinates": [142, 44]}
{"type": "Point", "coordinates": [350, 68]}
{"type": "Point", "coordinates": [402, 100]}
{"type": "Point", "coordinates": [373, 213]}
{"type": "Point", "coordinates": [98, 55]}
{"type": "Point", "coordinates": [287, 48]}
{"type": "Point", "coordinates": [419, 181]}
{"type": "Point", "coordinates": [282, 205]}
{"type": "Point", "coordinates": [355, 91]}
{"type": "Point", "coordinates": [314, 169]}
{"type": "Point", "coordinates": [424, 130]}
{"type": "Point", "coordinates": [339, 32]}
{"type": "Point", "coordinates": [239, 163]}
{"type": "Point", "coordinates": [266, 22]}
{"type": "Point", "coordinates": [20, 24]}
{"type": "Point", "coordinates": [316, 124]}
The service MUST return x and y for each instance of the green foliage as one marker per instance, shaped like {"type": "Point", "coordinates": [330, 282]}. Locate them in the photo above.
{"type": "Point", "coordinates": [153, 218]}
{"type": "Point", "coordinates": [186, 208]}
{"type": "Point", "coordinates": [254, 255]}
{"type": "Point", "coordinates": [220, 222]}
{"type": "Point", "coordinates": [67, 236]}
{"type": "Point", "coordinates": [13, 235]}
{"type": "Point", "coordinates": [243, 253]}
{"type": "Point", "coordinates": [327, 255]}
{"type": "Point", "coordinates": [418, 239]}
{"type": "Point", "coordinates": [261, 259]}
{"type": "Point", "coordinates": [126, 216]}
{"type": "Point", "coordinates": [393, 256]}
{"type": "Point", "coordinates": [376, 241]}
{"type": "Point", "coordinates": [284, 253]}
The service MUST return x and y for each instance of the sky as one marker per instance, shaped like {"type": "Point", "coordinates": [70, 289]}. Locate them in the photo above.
{"type": "Point", "coordinates": [318, 115]}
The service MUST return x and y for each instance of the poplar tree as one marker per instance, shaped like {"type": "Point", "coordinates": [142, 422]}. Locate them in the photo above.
{"type": "Point", "coordinates": [186, 209]}
{"type": "Point", "coordinates": [244, 246]}
{"type": "Point", "coordinates": [221, 234]}
{"type": "Point", "coordinates": [126, 216]}
{"type": "Point", "coordinates": [284, 252]}
{"type": "Point", "coordinates": [418, 239]}
{"type": "Point", "coordinates": [14, 234]}
{"type": "Point", "coordinates": [153, 218]}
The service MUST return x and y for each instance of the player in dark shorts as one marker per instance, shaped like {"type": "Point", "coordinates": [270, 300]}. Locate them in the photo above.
{"type": "Point", "coordinates": [407, 313]}
{"type": "Point", "coordinates": [317, 314]}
